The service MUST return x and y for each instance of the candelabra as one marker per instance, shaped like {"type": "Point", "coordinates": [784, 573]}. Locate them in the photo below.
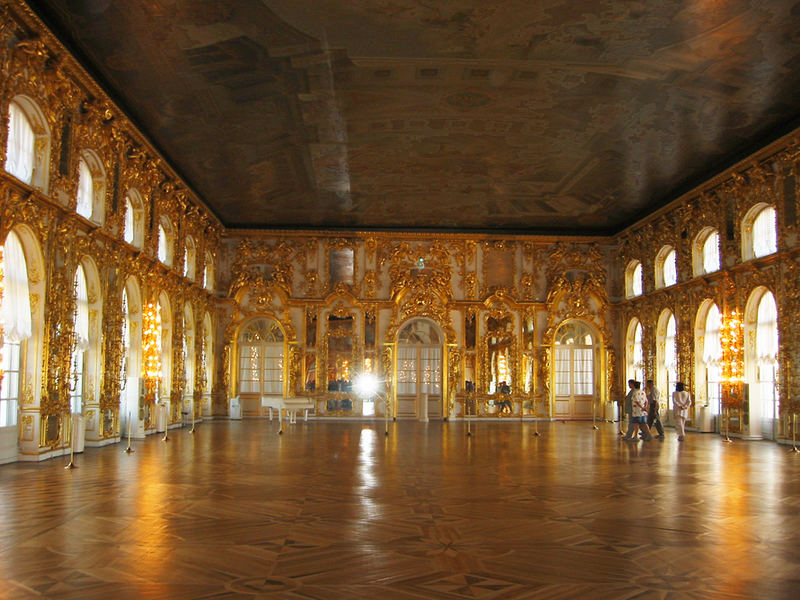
{"type": "Point", "coordinates": [151, 355]}
{"type": "Point", "coordinates": [731, 336]}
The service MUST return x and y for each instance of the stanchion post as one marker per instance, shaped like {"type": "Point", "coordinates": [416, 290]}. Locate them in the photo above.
{"type": "Point", "coordinates": [71, 465]}
{"type": "Point", "coordinates": [128, 450]}
{"type": "Point", "coordinates": [794, 434]}
{"type": "Point", "coordinates": [386, 409]}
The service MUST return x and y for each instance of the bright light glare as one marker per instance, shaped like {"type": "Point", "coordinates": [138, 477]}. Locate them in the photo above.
{"type": "Point", "coordinates": [366, 385]}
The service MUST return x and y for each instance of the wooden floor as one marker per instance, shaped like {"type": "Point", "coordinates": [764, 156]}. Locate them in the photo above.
{"type": "Point", "coordinates": [337, 510]}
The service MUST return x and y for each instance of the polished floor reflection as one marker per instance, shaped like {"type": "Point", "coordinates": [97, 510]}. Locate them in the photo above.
{"type": "Point", "coordinates": [338, 510]}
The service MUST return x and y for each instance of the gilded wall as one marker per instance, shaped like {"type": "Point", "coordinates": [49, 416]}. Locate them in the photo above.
{"type": "Point", "coordinates": [73, 120]}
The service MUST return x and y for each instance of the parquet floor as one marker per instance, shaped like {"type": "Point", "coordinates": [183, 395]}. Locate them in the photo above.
{"type": "Point", "coordinates": [337, 510]}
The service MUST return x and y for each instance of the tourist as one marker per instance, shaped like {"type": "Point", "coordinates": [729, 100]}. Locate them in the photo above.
{"type": "Point", "coordinates": [681, 400]}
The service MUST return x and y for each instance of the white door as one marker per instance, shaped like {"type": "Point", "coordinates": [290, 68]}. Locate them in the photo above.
{"type": "Point", "coordinates": [419, 371]}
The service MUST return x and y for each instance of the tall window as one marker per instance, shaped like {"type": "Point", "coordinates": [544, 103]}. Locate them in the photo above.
{"type": "Point", "coordinates": [712, 357]}
{"type": "Point", "coordinates": [81, 342]}
{"type": "Point", "coordinates": [638, 353]}
{"type": "Point", "coordinates": [261, 358]}
{"type": "Point", "coordinates": [666, 267]}
{"type": "Point", "coordinates": [85, 190]}
{"type": "Point", "coordinates": [28, 145]}
{"type": "Point", "coordinates": [189, 254]}
{"type": "Point", "coordinates": [671, 268]}
{"type": "Point", "coordinates": [20, 149]}
{"type": "Point", "coordinates": [633, 279]}
{"type": "Point", "coordinates": [208, 272]}
{"type": "Point", "coordinates": [127, 232]}
{"type": "Point", "coordinates": [15, 311]}
{"type": "Point", "coordinates": [710, 253]}
{"type": "Point", "coordinates": [767, 353]}
{"type": "Point", "coordinates": [162, 244]}
{"type": "Point", "coordinates": [671, 355]}
{"type": "Point", "coordinates": [765, 235]}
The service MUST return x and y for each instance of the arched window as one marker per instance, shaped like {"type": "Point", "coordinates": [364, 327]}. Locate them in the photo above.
{"type": "Point", "coordinates": [162, 244]}
{"type": "Point", "coordinates": [712, 357]}
{"type": "Point", "coordinates": [261, 358]}
{"type": "Point", "coordinates": [705, 252]}
{"type": "Point", "coordinates": [759, 232]}
{"type": "Point", "coordinates": [91, 187]}
{"type": "Point", "coordinates": [635, 351]}
{"type": "Point", "coordinates": [127, 230]}
{"type": "Point", "coordinates": [132, 358]}
{"type": "Point", "coordinates": [133, 231]}
{"type": "Point", "coordinates": [20, 149]}
{"type": "Point", "coordinates": [666, 267]}
{"type": "Point", "coordinates": [765, 233]}
{"type": "Point", "coordinates": [165, 242]}
{"type": "Point", "coordinates": [671, 355]}
{"type": "Point", "coordinates": [633, 279]}
{"type": "Point", "coordinates": [85, 190]}
{"type": "Point", "coordinates": [28, 147]}
{"type": "Point", "coordinates": [767, 356]}
{"type": "Point", "coordinates": [208, 272]}
{"type": "Point", "coordinates": [81, 332]}
{"type": "Point", "coordinates": [189, 254]}
{"type": "Point", "coordinates": [15, 312]}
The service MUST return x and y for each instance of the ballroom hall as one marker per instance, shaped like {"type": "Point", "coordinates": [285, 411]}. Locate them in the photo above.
{"type": "Point", "coordinates": [321, 299]}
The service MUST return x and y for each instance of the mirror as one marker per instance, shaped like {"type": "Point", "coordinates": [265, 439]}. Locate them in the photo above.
{"type": "Point", "coordinates": [500, 354]}
{"type": "Point", "coordinates": [369, 331]}
{"type": "Point", "coordinates": [469, 373]}
{"type": "Point", "coordinates": [311, 330]}
{"type": "Point", "coordinates": [341, 266]}
{"type": "Point", "coordinates": [527, 373]}
{"type": "Point", "coordinates": [470, 332]}
{"type": "Point", "coordinates": [340, 353]}
{"type": "Point", "coordinates": [310, 370]}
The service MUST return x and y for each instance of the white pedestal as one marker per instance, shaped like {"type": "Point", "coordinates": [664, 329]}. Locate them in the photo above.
{"type": "Point", "coordinates": [161, 417]}
{"type": "Point", "coordinates": [705, 421]}
{"type": "Point", "coordinates": [235, 409]}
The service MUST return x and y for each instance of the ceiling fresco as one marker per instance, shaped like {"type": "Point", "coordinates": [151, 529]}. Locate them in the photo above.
{"type": "Point", "coordinates": [560, 116]}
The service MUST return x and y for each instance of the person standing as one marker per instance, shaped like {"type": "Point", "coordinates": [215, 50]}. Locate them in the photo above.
{"type": "Point", "coordinates": [681, 400]}
{"type": "Point", "coordinates": [639, 414]}
{"type": "Point", "coordinates": [627, 410]}
{"type": "Point", "coordinates": [653, 397]}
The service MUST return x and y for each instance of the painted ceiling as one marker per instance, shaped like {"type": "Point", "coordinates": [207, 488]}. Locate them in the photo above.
{"type": "Point", "coordinates": [554, 116]}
